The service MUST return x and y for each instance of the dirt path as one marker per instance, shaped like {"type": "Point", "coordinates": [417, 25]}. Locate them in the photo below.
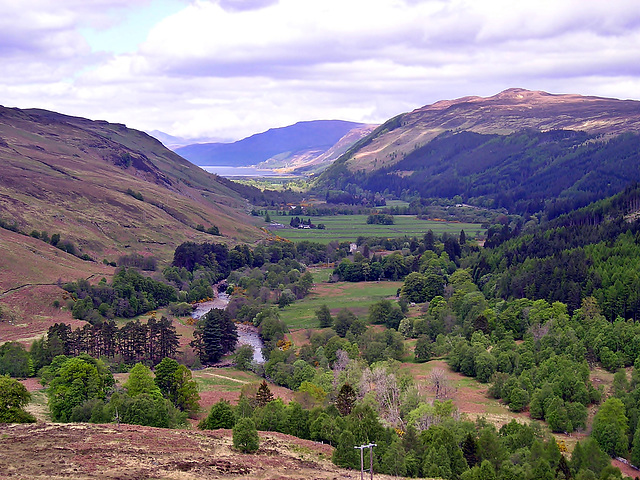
{"type": "Point", "coordinates": [226, 378]}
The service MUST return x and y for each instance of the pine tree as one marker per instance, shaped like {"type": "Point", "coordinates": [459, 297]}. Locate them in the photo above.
{"type": "Point", "coordinates": [215, 336]}
{"type": "Point", "coordinates": [470, 450]}
{"type": "Point", "coordinates": [563, 467]}
{"type": "Point", "coordinates": [263, 395]}
{"type": "Point", "coordinates": [346, 399]}
{"type": "Point", "coordinates": [635, 449]}
{"type": "Point", "coordinates": [345, 455]}
{"type": "Point", "coordinates": [393, 460]}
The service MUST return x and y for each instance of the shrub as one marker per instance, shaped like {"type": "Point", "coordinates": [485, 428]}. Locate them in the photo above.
{"type": "Point", "coordinates": [220, 416]}
{"type": "Point", "coordinates": [13, 397]}
{"type": "Point", "coordinates": [245, 436]}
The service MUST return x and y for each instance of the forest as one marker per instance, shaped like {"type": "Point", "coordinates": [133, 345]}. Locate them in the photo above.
{"type": "Point", "coordinates": [524, 172]}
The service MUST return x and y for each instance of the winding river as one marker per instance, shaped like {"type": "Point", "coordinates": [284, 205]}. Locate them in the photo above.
{"type": "Point", "coordinates": [247, 334]}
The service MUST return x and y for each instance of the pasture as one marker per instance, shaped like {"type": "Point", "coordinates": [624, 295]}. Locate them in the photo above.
{"type": "Point", "coordinates": [357, 297]}
{"type": "Point", "coordinates": [347, 228]}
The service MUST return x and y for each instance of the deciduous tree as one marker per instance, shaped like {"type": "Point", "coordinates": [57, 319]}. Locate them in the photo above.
{"type": "Point", "coordinates": [13, 398]}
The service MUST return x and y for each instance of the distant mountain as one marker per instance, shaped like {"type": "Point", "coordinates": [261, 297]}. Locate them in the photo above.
{"type": "Point", "coordinates": [172, 142]}
{"type": "Point", "coordinates": [522, 150]}
{"type": "Point", "coordinates": [299, 145]}
{"type": "Point", "coordinates": [104, 188]}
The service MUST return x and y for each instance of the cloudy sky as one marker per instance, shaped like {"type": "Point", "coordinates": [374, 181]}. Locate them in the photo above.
{"type": "Point", "coordinates": [226, 69]}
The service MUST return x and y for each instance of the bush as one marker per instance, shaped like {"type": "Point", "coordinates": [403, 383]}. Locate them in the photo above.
{"type": "Point", "coordinates": [13, 397]}
{"type": "Point", "coordinates": [220, 416]}
{"type": "Point", "coordinates": [424, 349]}
{"type": "Point", "coordinates": [245, 436]}
{"type": "Point", "coordinates": [244, 357]}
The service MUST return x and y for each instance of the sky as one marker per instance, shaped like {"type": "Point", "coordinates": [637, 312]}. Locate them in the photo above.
{"type": "Point", "coordinates": [226, 69]}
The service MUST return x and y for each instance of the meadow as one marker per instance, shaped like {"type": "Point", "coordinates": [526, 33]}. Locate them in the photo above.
{"type": "Point", "coordinates": [347, 228]}
{"type": "Point", "coordinates": [357, 297]}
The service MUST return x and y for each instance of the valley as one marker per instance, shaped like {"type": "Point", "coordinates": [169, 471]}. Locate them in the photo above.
{"type": "Point", "coordinates": [458, 285]}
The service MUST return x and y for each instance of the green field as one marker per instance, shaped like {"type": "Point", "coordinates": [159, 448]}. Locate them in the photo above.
{"type": "Point", "coordinates": [357, 297]}
{"type": "Point", "coordinates": [226, 380]}
{"type": "Point", "coordinates": [350, 227]}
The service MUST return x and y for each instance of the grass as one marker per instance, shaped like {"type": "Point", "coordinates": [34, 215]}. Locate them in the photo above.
{"type": "Point", "coordinates": [227, 379]}
{"type": "Point", "coordinates": [350, 227]}
{"type": "Point", "coordinates": [39, 406]}
{"type": "Point", "coordinates": [357, 297]}
{"type": "Point", "coordinates": [320, 274]}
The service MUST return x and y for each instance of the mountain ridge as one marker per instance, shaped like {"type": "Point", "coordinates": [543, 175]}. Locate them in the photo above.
{"type": "Point", "coordinates": [526, 151]}
{"type": "Point", "coordinates": [299, 145]}
{"type": "Point", "coordinates": [509, 111]}
{"type": "Point", "coordinates": [107, 189]}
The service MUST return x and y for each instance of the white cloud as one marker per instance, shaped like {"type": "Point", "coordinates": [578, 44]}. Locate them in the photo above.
{"type": "Point", "coordinates": [230, 68]}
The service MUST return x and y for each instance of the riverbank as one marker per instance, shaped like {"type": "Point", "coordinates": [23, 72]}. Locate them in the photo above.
{"type": "Point", "coordinates": [247, 334]}
{"type": "Point", "coordinates": [221, 301]}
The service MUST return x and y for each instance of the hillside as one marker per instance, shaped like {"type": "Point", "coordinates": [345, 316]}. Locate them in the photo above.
{"type": "Point", "coordinates": [510, 111]}
{"type": "Point", "coordinates": [104, 190]}
{"type": "Point", "coordinates": [520, 150]}
{"type": "Point", "coordinates": [84, 451]}
{"type": "Point", "coordinates": [592, 251]}
{"type": "Point", "coordinates": [295, 146]}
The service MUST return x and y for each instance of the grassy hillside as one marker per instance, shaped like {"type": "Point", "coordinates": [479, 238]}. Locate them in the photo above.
{"type": "Point", "coordinates": [106, 188]}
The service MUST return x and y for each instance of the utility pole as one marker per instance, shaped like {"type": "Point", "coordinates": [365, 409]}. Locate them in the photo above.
{"type": "Point", "coordinates": [370, 447]}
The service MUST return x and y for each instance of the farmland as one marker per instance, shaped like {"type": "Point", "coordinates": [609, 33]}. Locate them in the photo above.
{"type": "Point", "coordinates": [346, 228]}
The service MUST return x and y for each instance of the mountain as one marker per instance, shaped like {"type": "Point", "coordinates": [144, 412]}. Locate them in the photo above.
{"type": "Point", "coordinates": [104, 190]}
{"type": "Point", "coordinates": [302, 144]}
{"type": "Point", "coordinates": [172, 142]}
{"type": "Point", "coordinates": [521, 150]}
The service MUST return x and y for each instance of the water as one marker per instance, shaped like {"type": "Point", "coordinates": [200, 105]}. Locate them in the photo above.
{"type": "Point", "coordinates": [247, 334]}
{"type": "Point", "coordinates": [229, 171]}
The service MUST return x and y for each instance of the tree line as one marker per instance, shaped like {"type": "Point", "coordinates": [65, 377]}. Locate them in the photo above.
{"type": "Point", "coordinates": [132, 343]}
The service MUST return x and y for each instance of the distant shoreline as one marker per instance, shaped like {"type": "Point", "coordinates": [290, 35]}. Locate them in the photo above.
{"type": "Point", "coordinates": [231, 171]}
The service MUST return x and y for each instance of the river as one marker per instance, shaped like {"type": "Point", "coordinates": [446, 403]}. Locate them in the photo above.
{"type": "Point", "coordinates": [247, 334]}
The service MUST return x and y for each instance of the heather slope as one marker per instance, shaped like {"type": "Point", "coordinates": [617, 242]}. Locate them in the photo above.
{"type": "Point", "coordinates": [106, 188]}
{"type": "Point", "coordinates": [507, 112]}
